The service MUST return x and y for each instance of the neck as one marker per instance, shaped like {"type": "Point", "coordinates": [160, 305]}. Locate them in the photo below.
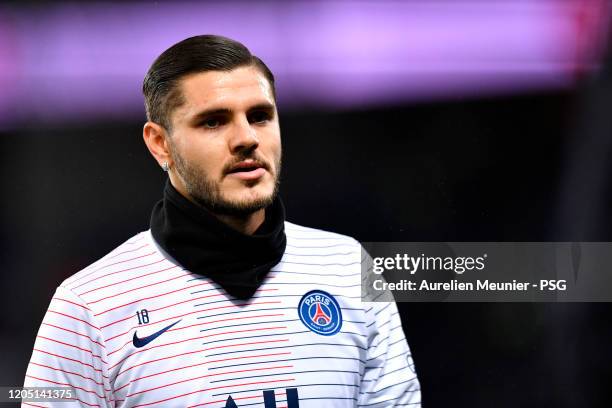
{"type": "Point", "coordinates": [247, 224]}
{"type": "Point", "coordinates": [235, 252]}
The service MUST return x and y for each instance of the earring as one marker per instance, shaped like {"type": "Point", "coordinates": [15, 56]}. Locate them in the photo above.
{"type": "Point", "coordinates": [165, 166]}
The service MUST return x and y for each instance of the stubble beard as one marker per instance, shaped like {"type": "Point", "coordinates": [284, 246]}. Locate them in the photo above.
{"type": "Point", "coordinates": [207, 192]}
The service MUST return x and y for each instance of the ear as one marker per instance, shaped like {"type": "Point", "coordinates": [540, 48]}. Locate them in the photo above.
{"type": "Point", "coordinates": [156, 139]}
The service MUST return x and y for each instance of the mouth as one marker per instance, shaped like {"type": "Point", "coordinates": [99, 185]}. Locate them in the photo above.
{"type": "Point", "coordinates": [247, 170]}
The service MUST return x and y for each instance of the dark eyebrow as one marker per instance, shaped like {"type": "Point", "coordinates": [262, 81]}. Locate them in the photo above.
{"type": "Point", "coordinates": [264, 106]}
{"type": "Point", "coordinates": [210, 112]}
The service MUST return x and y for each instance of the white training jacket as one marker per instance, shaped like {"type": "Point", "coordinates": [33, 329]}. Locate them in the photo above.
{"type": "Point", "coordinates": [135, 329]}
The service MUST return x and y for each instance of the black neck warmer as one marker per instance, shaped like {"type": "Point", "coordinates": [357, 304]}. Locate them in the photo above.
{"type": "Point", "coordinates": [204, 245]}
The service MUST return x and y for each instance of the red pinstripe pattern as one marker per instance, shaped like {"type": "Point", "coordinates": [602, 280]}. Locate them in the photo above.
{"type": "Point", "coordinates": [156, 360]}
{"type": "Point", "coordinates": [180, 368]}
{"type": "Point", "coordinates": [152, 310]}
{"type": "Point", "coordinates": [72, 345]}
{"type": "Point", "coordinates": [195, 352]}
{"type": "Point", "coordinates": [76, 304]}
{"type": "Point", "coordinates": [161, 372]}
{"type": "Point", "coordinates": [147, 298]}
{"type": "Point", "coordinates": [74, 318]}
{"type": "Point", "coordinates": [120, 271]}
{"type": "Point", "coordinates": [205, 336]}
{"type": "Point", "coordinates": [210, 389]}
{"type": "Point", "coordinates": [181, 315]}
{"type": "Point", "coordinates": [69, 372]}
{"type": "Point", "coordinates": [127, 280]}
{"type": "Point", "coordinates": [75, 332]}
{"type": "Point", "coordinates": [184, 340]}
{"type": "Point", "coordinates": [76, 277]}
{"type": "Point", "coordinates": [205, 376]}
{"type": "Point", "coordinates": [177, 316]}
{"type": "Point", "coordinates": [148, 324]}
{"type": "Point", "coordinates": [150, 348]}
{"type": "Point", "coordinates": [182, 275]}
{"type": "Point", "coordinates": [189, 301]}
{"type": "Point", "coordinates": [70, 385]}
{"type": "Point", "coordinates": [181, 328]}
{"type": "Point", "coordinates": [130, 250]}
{"type": "Point", "coordinates": [72, 359]}
{"type": "Point", "coordinates": [105, 266]}
{"type": "Point", "coordinates": [252, 345]}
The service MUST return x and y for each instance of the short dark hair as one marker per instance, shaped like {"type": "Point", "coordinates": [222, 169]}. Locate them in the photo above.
{"type": "Point", "coordinates": [192, 55]}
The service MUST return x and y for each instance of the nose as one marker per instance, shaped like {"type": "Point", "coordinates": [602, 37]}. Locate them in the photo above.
{"type": "Point", "coordinates": [243, 138]}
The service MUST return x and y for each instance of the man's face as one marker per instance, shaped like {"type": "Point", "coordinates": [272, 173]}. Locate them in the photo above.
{"type": "Point", "coordinates": [225, 141]}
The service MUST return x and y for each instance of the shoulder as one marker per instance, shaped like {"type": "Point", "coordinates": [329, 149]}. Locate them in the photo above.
{"type": "Point", "coordinates": [297, 234]}
{"type": "Point", "coordinates": [310, 245]}
{"type": "Point", "coordinates": [133, 252]}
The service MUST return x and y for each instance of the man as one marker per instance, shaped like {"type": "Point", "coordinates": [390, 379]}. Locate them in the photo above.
{"type": "Point", "coordinates": [222, 302]}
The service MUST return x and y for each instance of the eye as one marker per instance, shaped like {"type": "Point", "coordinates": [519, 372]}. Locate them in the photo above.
{"type": "Point", "coordinates": [211, 123]}
{"type": "Point", "coordinates": [259, 117]}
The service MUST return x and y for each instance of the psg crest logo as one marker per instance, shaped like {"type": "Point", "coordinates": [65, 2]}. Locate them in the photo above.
{"type": "Point", "coordinates": [320, 312]}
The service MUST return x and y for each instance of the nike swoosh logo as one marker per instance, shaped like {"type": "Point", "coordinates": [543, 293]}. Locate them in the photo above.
{"type": "Point", "coordinates": [143, 341]}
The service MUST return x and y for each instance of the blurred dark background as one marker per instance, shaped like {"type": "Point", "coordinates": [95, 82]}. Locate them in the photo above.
{"type": "Point", "coordinates": [510, 163]}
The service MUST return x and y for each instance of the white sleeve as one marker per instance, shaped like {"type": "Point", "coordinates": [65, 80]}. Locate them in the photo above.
{"type": "Point", "coordinates": [69, 352]}
{"type": "Point", "coordinates": [389, 379]}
